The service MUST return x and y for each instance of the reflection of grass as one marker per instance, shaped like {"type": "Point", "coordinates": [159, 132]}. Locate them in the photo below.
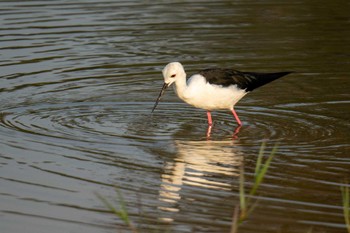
{"type": "Point", "coordinates": [346, 204]}
{"type": "Point", "coordinates": [122, 212]}
{"type": "Point", "coordinates": [245, 207]}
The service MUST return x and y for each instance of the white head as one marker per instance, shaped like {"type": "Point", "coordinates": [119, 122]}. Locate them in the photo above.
{"type": "Point", "coordinates": [171, 72]}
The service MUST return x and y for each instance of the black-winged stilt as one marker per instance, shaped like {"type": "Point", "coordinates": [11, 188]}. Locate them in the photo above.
{"type": "Point", "coordinates": [215, 88]}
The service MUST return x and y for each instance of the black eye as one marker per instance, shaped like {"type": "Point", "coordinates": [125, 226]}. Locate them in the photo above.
{"type": "Point", "coordinates": [173, 76]}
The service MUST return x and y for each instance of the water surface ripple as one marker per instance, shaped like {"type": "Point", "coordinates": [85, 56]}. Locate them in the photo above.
{"type": "Point", "coordinates": [79, 80]}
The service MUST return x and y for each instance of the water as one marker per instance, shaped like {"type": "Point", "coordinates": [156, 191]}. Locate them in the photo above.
{"type": "Point", "coordinates": [79, 80]}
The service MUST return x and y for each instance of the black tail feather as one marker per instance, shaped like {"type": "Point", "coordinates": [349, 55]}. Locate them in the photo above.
{"type": "Point", "coordinates": [259, 79]}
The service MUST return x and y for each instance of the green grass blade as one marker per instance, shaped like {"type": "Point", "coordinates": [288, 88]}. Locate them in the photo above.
{"type": "Point", "coordinates": [242, 198]}
{"type": "Point", "coordinates": [122, 213]}
{"type": "Point", "coordinates": [261, 173]}
{"type": "Point", "coordinates": [260, 170]}
{"type": "Point", "coordinates": [107, 204]}
{"type": "Point", "coordinates": [346, 204]}
{"type": "Point", "coordinates": [252, 207]}
{"type": "Point", "coordinates": [259, 160]}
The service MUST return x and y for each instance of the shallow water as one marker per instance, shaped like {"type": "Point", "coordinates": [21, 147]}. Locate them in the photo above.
{"type": "Point", "coordinates": [79, 80]}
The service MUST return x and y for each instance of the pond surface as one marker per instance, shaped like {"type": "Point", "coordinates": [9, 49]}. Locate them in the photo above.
{"type": "Point", "coordinates": [79, 80]}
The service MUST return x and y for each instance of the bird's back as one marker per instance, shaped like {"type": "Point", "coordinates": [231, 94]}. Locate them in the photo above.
{"type": "Point", "coordinates": [247, 81]}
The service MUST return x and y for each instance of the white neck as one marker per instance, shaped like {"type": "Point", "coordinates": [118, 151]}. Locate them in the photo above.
{"type": "Point", "coordinates": [180, 86]}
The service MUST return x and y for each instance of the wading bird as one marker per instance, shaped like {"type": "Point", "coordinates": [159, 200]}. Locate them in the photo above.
{"type": "Point", "coordinates": [213, 88]}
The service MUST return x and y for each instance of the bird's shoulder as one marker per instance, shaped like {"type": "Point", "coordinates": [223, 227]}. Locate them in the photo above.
{"type": "Point", "coordinates": [227, 77]}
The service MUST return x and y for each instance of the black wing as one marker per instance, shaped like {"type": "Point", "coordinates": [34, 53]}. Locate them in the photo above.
{"type": "Point", "coordinates": [244, 80]}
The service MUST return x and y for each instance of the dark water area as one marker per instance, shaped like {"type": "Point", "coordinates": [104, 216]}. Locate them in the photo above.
{"type": "Point", "coordinates": [78, 80]}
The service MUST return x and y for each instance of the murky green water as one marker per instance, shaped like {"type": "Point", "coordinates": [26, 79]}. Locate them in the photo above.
{"type": "Point", "coordinates": [79, 80]}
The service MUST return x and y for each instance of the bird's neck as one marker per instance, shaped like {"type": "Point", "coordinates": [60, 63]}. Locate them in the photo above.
{"type": "Point", "coordinates": [180, 86]}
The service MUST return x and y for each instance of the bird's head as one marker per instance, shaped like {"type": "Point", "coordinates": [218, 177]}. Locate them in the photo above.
{"type": "Point", "coordinates": [171, 72]}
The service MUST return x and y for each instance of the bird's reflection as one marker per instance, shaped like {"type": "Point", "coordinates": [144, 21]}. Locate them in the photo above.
{"type": "Point", "coordinates": [235, 132]}
{"type": "Point", "coordinates": [205, 164]}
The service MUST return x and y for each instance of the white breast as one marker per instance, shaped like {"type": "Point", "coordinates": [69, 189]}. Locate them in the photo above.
{"type": "Point", "coordinates": [207, 96]}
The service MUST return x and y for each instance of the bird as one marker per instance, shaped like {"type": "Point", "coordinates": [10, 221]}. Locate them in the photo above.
{"type": "Point", "coordinates": [213, 88]}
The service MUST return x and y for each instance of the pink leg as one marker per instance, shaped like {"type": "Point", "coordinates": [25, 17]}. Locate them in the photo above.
{"type": "Point", "coordinates": [210, 122]}
{"type": "Point", "coordinates": [236, 116]}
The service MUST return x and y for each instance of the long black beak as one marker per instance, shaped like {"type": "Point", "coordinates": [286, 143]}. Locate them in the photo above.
{"type": "Point", "coordinates": [165, 86]}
